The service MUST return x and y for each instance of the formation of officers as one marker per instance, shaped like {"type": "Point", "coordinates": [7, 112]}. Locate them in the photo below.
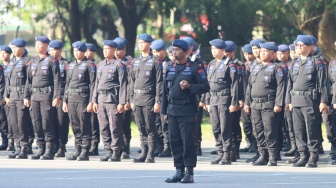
{"type": "Point", "coordinates": [280, 93]}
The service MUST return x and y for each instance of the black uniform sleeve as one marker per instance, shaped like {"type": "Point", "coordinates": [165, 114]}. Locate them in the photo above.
{"type": "Point", "coordinates": [280, 92]}
{"type": "Point", "coordinates": [27, 93]}
{"type": "Point", "coordinates": [131, 83]}
{"type": "Point", "coordinates": [289, 88]}
{"type": "Point", "coordinates": [122, 73]}
{"type": "Point", "coordinates": [322, 81]}
{"type": "Point", "coordinates": [235, 84]}
{"type": "Point", "coordinates": [159, 79]}
{"type": "Point", "coordinates": [2, 82]}
{"type": "Point", "coordinates": [164, 102]}
{"type": "Point", "coordinates": [56, 76]}
{"type": "Point", "coordinates": [95, 90]}
{"type": "Point", "coordinates": [248, 93]}
{"type": "Point", "coordinates": [202, 84]}
{"type": "Point", "coordinates": [92, 75]}
{"type": "Point", "coordinates": [65, 97]}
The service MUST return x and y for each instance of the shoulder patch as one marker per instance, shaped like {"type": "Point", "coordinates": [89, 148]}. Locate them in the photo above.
{"type": "Point", "coordinates": [279, 72]}
{"type": "Point", "coordinates": [27, 63]}
{"type": "Point", "coordinates": [202, 73]}
{"type": "Point", "coordinates": [122, 66]}
{"type": "Point", "coordinates": [93, 67]}
{"type": "Point", "coordinates": [232, 67]}
{"type": "Point", "coordinates": [54, 60]}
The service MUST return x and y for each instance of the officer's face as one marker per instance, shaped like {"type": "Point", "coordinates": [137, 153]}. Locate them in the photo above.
{"type": "Point", "coordinates": [120, 53]}
{"type": "Point", "coordinates": [17, 51]}
{"type": "Point", "coordinates": [161, 54]}
{"type": "Point", "coordinates": [108, 52]}
{"type": "Point", "coordinates": [256, 51]}
{"type": "Point", "coordinates": [55, 52]}
{"type": "Point", "coordinates": [229, 54]}
{"type": "Point", "coordinates": [79, 55]}
{"type": "Point", "coordinates": [217, 53]}
{"type": "Point", "coordinates": [179, 54]}
{"type": "Point", "coordinates": [282, 56]}
{"type": "Point", "coordinates": [41, 47]}
{"type": "Point", "coordinates": [266, 55]}
{"type": "Point", "coordinates": [249, 57]}
{"type": "Point", "coordinates": [89, 54]}
{"type": "Point", "coordinates": [292, 54]}
{"type": "Point", "coordinates": [144, 46]}
{"type": "Point", "coordinates": [4, 56]}
{"type": "Point", "coordinates": [302, 48]}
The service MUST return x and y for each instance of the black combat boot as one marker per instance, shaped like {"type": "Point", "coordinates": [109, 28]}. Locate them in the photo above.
{"type": "Point", "coordinates": [213, 152]}
{"type": "Point", "coordinates": [150, 154]}
{"type": "Point", "coordinates": [272, 161]}
{"type": "Point", "coordinates": [166, 151]}
{"type": "Point", "coordinates": [159, 148]}
{"type": "Point", "coordinates": [108, 154]}
{"type": "Point", "coordinates": [254, 158]}
{"type": "Point", "coordinates": [198, 149]}
{"type": "Point", "coordinates": [254, 147]}
{"type": "Point", "coordinates": [73, 156]}
{"type": "Point", "coordinates": [237, 151]}
{"type": "Point", "coordinates": [126, 151]}
{"type": "Point", "coordinates": [23, 154]}
{"type": "Point", "coordinates": [321, 150]}
{"type": "Point", "coordinates": [94, 150]}
{"type": "Point", "coordinates": [189, 176]}
{"type": "Point", "coordinates": [287, 145]}
{"type": "Point", "coordinates": [262, 160]}
{"type": "Point", "coordinates": [226, 160]}
{"type": "Point", "coordinates": [295, 159]}
{"type": "Point", "coordinates": [302, 161]}
{"type": "Point", "coordinates": [115, 156]}
{"type": "Point", "coordinates": [312, 162]}
{"type": "Point", "coordinates": [291, 152]}
{"type": "Point", "coordinates": [278, 156]}
{"type": "Point", "coordinates": [15, 153]}
{"type": "Point", "coordinates": [218, 159]}
{"type": "Point", "coordinates": [49, 154]}
{"type": "Point", "coordinates": [55, 148]}
{"type": "Point", "coordinates": [10, 146]}
{"type": "Point", "coordinates": [40, 151]}
{"type": "Point", "coordinates": [84, 155]}
{"type": "Point", "coordinates": [61, 151]}
{"type": "Point", "coordinates": [177, 176]}
{"type": "Point", "coordinates": [4, 144]}
{"type": "Point", "coordinates": [30, 148]}
{"type": "Point", "coordinates": [248, 145]}
{"type": "Point", "coordinates": [142, 156]}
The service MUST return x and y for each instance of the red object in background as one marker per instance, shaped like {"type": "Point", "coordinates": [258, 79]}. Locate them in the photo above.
{"type": "Point", "coordinates": [204, 19]}
{"type": "Point", "coordinates": [184, 19]}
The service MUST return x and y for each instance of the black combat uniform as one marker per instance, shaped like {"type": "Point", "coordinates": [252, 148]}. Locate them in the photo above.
{"type": "Point", "coordinates": [110, 90]}
{"type": "Point", "coordinates": [79, 87]}
{"type": "Point", "coordinates": [332, 77]}
{"type": "Point", "coordinates": [3, 117]}
{"type": "Point", "coordinates": [7, 73]}
{"type": "Point", "coordinates": [146, 90]}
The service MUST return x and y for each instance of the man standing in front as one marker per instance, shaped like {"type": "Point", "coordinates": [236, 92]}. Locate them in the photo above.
{"type": "Point", "coordinates": [184, 81]}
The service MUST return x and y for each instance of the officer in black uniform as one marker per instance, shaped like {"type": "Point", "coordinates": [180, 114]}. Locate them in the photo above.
{"type": "Point", "coordinates": [163, 148]}
{"type": "Point", "coordinates": [308, 97]}
{"type": "Point", "coordinates": [332, 76]}
{"type": "Point", "coordinates": [265, 97]}
{"type": "Point", "coordinates": [90, 54]}
{"type": "Point", "coordinates": [183, 82]}
{"type": "Point", "coordinates": [14, 95]}
{"type": "Point", "coordinates": [109, 98]}
{"type": "Point", "coordinates": [120, 54]}
{"type": "Point", "coordinates": [81, 76]}
{"type": "Point", "coordinates": [5, 53]}
{"type": "Point", "coordinates": [222, 99]}
{"type": "Point", "coordinates": [42, 93]}
{"type": "Point", "coordinates": [61, 117]}
{"type": "Point", "coordinates": [146, 84]}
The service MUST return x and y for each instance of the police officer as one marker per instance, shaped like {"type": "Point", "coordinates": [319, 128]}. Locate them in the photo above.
{"type": "Point", "coordinates": [120, 54]}
{"type": "Point", "coordinates": [332, 75]}
{"type": "Point", "coordinates": [163, 148]}
{"type": "Point", "coordinates": [16, 75]}
{"type": "Point", "coordinates": [81, 76]}
{"type": "Point", "coordinates": [61, 117]}
{"type": "Point", "coordinates": [265, 98]}
{"type": "Point", "coordinates": [183, 82]}
{"type": "Point", "coordinates": [90, 55]}
{"type": "Point", "coordinates": [308, 97]}
{"type": "Point", "coordinates": [146, 90]}
{"type": "Point", "coordinates": [42, 93]}
{"type": "Point", "coordinates": [109, 98]}
{"type": "Point", "coordinates": [222, 99]}
{"type": "Point", "coordinates": [5, 53]}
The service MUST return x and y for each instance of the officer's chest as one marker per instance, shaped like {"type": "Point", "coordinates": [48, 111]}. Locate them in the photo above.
{"type": "Point", "coordinates": [107, 71]}
{"type": "Point", "coordinates": [40, 67]}
{"type": "Point", "coordinates": [17, 69]}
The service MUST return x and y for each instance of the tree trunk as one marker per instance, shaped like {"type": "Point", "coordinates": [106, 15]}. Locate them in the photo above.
{"type": "Point", "coordinates": [326, 34]}
{"type": "Point", "coordinates": [75, 17]}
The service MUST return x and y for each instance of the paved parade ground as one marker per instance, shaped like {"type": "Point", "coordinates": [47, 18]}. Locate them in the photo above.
{"type": "Point", "coordinates": [61, 173]}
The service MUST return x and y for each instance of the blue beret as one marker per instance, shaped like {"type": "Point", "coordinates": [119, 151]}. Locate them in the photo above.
{"type": "Point", "coordinates": [230, 46]}
{"type": "Point", "coordinates": [269, 46]}
{"type": "Point", "coordinates": [19, 42]}
{"type": "Point", "coordinates": [43, 39]}
{"type": "Point", "coordinates": [110, 43]}
{"type": "Point", "coordinates": [91, 47]}
{"type": "Point", "coordinates": [305, 39]}
{"type": "Point", "coordinates": [314, 39]}
{"type": "Point", "coordinates": [56, 44]}
{"type": "Point", "coordinates": [121, 39]}
{"type": "Point", "coordinates": [283, 48]}
{"type": "Point", "coordinates": [247, 48]}
{"type": "Point", "coordinates": [25, 52]}
{"type": "Point", "coordinates": [6, 48]}
{"type": "Point", "coordinates": [145, 37]}
{"type": "Point", "coordinates": [120, 43]}
{"type": "Point", "coordinates": [292, 47]}
{"type": "Point", "coordinates": [170, 49]}
{"type": "Point", "coordinates": [256, 42]}
{"type": "Point", "coordinates": [79, 45]}
{"type": "Point", "coordinates": [218, 43]}
{"type": "Point", "coordinates": [181, 44]}
{"type": "Point", "coordinates": [158, 45]}
{"type": "Point", "coordinates": [191, 42]}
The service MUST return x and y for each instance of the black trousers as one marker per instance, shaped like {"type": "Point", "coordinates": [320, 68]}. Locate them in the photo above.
{"type": "Point", "coordinates": [3, 121]}
{"type": "Point", "coordinates": [236, 129]}
{"type": "Point", "coordinates": [145, 120]}
{"type": "Point", "coordinates": [80, 123]}
{"type": "Point", "coordinates": [95, 129]}
{"type": "Point", "coordinates": [162, 128]}
{"type": "Point", "coordinates": [222, 127]}
{"type": "Point", "coordinates": [289, 126]}
{"type": "Point", "coordinates": [329, 121]}
{"type": "Point", "coordinates": [42, 114]}
{"type": "Point", "coordinates": [126, 128]}
{"type": "Point", "coordinates": [10, 131]}
{"type": "Point", "coordinates": [247, 125]}
{"type": "Point", "coordinates": [266, 128]}
{"type": "Point", "coordinates": [306, 127]}
{"type": "Point", "coordinates": [182, 141]}
{"type": "Point", "coordinates": [110, 124]}
{"type": "Point", "coordinates": [18, 122]}
{"type": "Point", "coordinates": [62, 125]}
{"type": "Point", "coordinates": [198, 130]}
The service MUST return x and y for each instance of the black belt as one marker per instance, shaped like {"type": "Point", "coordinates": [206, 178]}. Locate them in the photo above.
{"type": "Point", "coordinates": [143, 91]}
{"type": "Point", "coordinates": [179, 101]}
{"type": "Point", "coordinates": [17, 89]}
{"type": "Point", "coordinates": [79, 90]}
{"type": "Point", "coordinates": [42, 89]}
{"type": "Point", "coordinates": [224, 92]}
{"type": "Point", "coordinates": [264, 99]}
{"type": "Point", "coordinates": [105, 92]}
{"type": "Point", "coordinates": [307, 93]}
